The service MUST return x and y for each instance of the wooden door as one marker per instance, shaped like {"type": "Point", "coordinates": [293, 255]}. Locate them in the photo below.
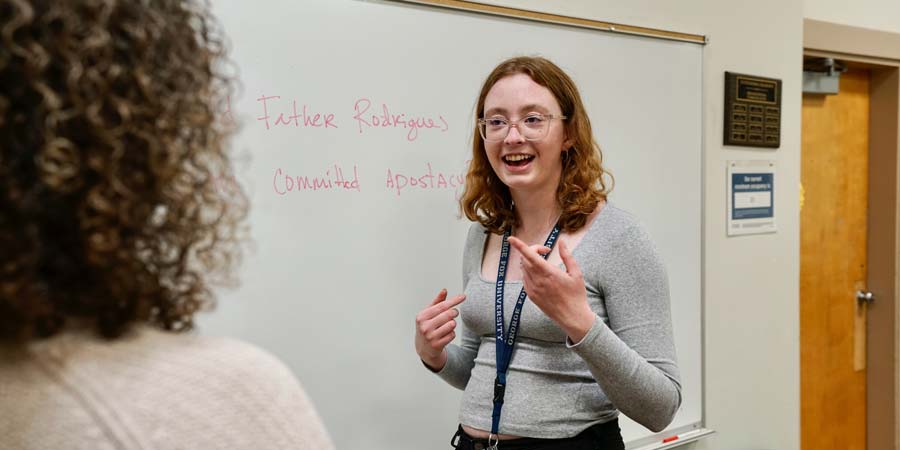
{"type": "Point", "coordinates": [834, 175]}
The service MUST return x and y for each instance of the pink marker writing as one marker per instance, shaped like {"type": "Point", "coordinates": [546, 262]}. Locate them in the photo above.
{"type": "Point", "coordinates": [305, 117]}
{"type": "Point", "coordinates": [384, 118]}
{"type": "Point", "coordinates": [332, 179]}
{"type": "Point", "coordinates": [428, 180]}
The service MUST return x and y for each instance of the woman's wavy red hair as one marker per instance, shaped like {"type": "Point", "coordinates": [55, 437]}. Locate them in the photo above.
{"type": "Point", "coordinates": [583, 182]}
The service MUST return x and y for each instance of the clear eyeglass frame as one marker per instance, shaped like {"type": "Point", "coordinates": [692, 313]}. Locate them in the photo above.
{"type": "Point", "coordinates": [528, 133]}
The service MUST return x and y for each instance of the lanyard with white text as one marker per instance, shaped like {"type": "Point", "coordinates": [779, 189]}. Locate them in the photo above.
{"type": "Point", "coordinates": [505, 345]}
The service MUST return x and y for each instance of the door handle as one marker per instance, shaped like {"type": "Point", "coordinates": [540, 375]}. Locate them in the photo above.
{"type": "Point", "coordinates": [863, 300]}
{"type": "Point", "coordinates": [865, 297]}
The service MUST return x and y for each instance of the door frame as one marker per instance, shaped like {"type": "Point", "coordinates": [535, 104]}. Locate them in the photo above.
{"type": "Point", "coordinates": [879, 52]}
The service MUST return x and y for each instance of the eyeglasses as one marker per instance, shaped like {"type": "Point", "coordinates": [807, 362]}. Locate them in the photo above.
{"type": "Point", "coordinates": [532, 127]}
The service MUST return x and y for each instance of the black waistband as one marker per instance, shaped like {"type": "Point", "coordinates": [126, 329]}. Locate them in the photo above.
{"type": "Point", "coordinates": [607, 434]}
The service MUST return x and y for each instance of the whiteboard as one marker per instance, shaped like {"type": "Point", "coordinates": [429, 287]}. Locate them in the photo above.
{"type": "Point", "coordinates": [354, 168]}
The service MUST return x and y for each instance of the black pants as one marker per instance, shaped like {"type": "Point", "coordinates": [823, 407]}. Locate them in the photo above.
{"type": "Point", "coordinates": [603, 436]}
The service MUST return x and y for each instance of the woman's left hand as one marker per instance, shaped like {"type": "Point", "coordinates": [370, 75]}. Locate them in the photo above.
{"type": "Point", "coordinates": [559, 294]}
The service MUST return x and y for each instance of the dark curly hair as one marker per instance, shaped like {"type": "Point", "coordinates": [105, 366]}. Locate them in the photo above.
{"type": "Point", "coordinates": [112, 150]}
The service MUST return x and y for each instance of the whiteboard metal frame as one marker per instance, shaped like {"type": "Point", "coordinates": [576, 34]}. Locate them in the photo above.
{"type": "Point", "coordinates": [579, 22]}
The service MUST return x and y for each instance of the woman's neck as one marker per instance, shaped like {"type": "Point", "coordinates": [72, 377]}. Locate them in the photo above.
{"type": "Point", "coordinates": [537, 213]}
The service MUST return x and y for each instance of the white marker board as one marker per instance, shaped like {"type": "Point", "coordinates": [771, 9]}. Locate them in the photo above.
{"type": "Point", "coordinates": [354, 216]}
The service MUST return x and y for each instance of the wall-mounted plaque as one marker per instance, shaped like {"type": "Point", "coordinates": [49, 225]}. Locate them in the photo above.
{"type": "Point", "coordinates": [752, 111]}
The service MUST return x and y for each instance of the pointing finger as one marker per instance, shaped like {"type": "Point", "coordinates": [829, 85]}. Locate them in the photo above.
{"type": "Point", "coordinates": [445, 305]}
{"type": "Point", "coordinates": [439, 298]}
{"type": "Point", "coordinates": [540, 249]}
{"type": "Point", "coordinates": [526, 251]}
{"type": "Point", "coordinates": [455, 300]}
{"type": "Point", "coordinates": [569, 260]}
{"type": "Point", "coordinates": [437, 308]}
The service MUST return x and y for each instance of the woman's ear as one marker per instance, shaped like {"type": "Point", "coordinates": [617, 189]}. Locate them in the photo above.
{"type": "Point", "coordinates": [568, 142]}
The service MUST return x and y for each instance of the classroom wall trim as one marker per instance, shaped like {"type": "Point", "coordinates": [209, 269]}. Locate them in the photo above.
{"type": "Point", "coordinates": [561, 19]}
{"type": "Point", "coordinates": [879, 52]}
{"type": "Point", "coordinates": [833, 37]}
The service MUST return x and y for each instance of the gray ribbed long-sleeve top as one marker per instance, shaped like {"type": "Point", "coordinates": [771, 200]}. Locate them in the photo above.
{"type": "Point", "coordinates": [555, 388]}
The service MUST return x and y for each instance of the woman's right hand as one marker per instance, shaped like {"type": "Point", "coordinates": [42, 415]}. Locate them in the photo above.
{"type": "Point", "coordinates": [434, 329]}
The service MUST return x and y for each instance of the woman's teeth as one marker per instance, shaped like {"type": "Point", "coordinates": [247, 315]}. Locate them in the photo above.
{"type": "Point", "coordinates": [517, 158]}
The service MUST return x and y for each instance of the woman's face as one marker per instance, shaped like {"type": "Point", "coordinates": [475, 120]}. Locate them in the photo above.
{"type": "Point", "coordinates": [523, 165]}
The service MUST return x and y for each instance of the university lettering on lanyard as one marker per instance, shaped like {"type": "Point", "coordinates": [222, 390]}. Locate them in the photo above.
{"type": "Point", "coordinates": [506, 341]}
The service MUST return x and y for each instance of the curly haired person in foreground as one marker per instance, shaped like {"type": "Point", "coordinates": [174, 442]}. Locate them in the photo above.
{"type": "Point", "coordinates": [113, 231]}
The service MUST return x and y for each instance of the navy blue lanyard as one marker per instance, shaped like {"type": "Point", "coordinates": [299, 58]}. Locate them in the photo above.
{"type": "Point", "coordinates": [505, 344]}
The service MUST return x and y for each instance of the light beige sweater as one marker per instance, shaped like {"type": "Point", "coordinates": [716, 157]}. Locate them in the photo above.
{"type": "Point", "coordinates": [152, 390]}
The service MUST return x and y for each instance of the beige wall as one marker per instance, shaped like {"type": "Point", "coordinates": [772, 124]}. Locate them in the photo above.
{"type": "Point", "coordinates": [751, 283]}
{"type": "Point", "coordinates": [881, 15]}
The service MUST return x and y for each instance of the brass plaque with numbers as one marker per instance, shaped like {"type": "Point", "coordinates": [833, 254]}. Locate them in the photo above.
{"type": "Point", "coordinates": [752, 111]}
